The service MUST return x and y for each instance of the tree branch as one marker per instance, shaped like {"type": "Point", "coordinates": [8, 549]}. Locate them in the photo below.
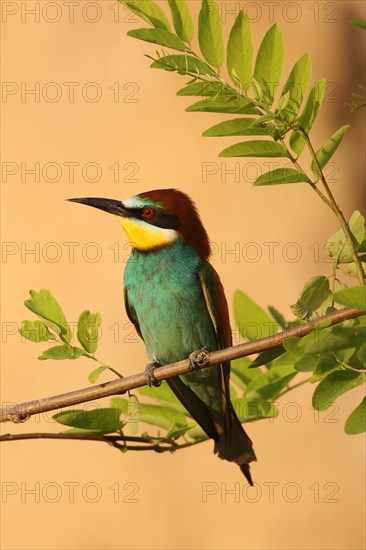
{"type": "Point", "coordinates": [117, 441]}
{"type": "Point", "coordinates": [23, 411]}
{"type": "Point", "coordinates": [78, 437]}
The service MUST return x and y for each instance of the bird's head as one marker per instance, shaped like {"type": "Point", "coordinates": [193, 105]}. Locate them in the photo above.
{"type": "Point", "coordinates": [156, 219]}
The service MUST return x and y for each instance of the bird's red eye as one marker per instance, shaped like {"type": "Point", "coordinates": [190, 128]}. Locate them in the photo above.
{"type": "Point", "coordinates": [148, 212]}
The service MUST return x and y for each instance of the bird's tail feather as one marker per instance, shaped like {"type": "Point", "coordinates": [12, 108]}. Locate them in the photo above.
{"type": "Point", "coordinates": [236, 446]}
{"type": "Point", "coordinates": [231, 441]}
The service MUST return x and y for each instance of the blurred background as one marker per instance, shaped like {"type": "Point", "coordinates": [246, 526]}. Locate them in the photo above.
{"type": "Point", "coordinates": [84, 115]}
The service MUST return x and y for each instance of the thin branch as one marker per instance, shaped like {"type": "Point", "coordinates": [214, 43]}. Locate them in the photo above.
{"type": "Point", "coordinates": [23, 411]}
{"type": "Point", "coordinates": [78, 437]}
{"type": "Point", "coordinates": [118, 441]}
{"type": "Point", "coordinates": [337, 211]}
{"type": "Point", "coordinates": [287, 389]}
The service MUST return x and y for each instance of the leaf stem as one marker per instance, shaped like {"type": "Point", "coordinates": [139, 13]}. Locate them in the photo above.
{"type": "Point", "coordinates": [102, 363]}
{"type": "Point", "coordinates": [334, 206]}
{"type": "Point", "coordinates": [289, 388]}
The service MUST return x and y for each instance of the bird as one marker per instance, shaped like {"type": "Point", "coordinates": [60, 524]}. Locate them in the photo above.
{"type": "Point", "coordinates": [176, 301]}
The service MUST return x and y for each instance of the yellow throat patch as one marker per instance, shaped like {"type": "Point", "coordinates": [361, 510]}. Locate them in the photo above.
{"type": "Point", "coordinates": [144, 236]}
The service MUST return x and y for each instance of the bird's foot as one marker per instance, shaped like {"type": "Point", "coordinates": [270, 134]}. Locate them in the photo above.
{"type": "Point", "coordinates": [149, 374]}
{"type": "Point", "coordinates": [199, 358]}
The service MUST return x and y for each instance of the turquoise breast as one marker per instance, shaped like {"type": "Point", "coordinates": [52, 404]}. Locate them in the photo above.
{"type": "Point", "coordinates": [164, 289]}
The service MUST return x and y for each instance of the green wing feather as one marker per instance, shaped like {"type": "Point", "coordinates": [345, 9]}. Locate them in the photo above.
{"type": "Point", "coordinates": [214, 294]}
{"type": "Point", "coordinates": [131, 313]}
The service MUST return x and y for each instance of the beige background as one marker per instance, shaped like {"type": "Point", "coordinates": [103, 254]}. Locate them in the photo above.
{"type": "Point", "coordinates": [310, 475]}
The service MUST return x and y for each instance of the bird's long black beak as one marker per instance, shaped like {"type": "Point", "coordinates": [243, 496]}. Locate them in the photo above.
{"type": "Point", "coordinates": [108, 205]}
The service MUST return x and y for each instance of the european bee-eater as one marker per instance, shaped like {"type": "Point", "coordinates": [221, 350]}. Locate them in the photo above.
{"type": "Point", "coordinates": [176, 301]}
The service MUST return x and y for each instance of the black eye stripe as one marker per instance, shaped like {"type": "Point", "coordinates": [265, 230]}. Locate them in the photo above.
{"type": "Point", "coordinates": [159, 219]}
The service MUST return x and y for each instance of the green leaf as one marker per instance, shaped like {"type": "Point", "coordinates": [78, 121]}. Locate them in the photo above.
{"type": "Point", "coordinates": [345, 337]}
{"type": "Point", "coordinates": [157, 415]}
{"type": "Point", "coordinates": [183, 64]}
{"type": "Point", "coordinates": [285, 360]}
{"type": "Point", "coordinates": [158, 36]}
{"type": "Point", "coordinates": [45, 305]}
{"type": "Point", "coordinates": [99, 420]}
{"type": "Point", "coordinates": [324, 366]}
{"type": "Point", "coordinates": [343, 355]}
{"type": "Point", "coordinates": [121, 404]}
{"type": "Point", "coordinates": [235, 379]}
{"type": "Point", "coordinates": [352, 297]}
{"type": "Point", "coordinates": [36, 331]}
{"type": "Point", "coordinates": [361, 23]}
{"type": "Point", "coordinates": [327, 340]}
{"type": "Point", "coordinates": [362, 319]}
{"type": "Point", "coordinates": [240, 51]}
{"type": "Point", "coordinates": [164, 394]}
{"type": "Point", "coordinates": [176, 433]}
{"type": "Point", "coordinates": [205, 89]}
{"type": "Point", "coordinates": [312, 105]}
{"type": "Point", "coordinates": [255, 148]}
{"type": "Point", "coordinates": [269, 63]}
{"type": "Point", "coordinates": [337, 246]}
{"type": "Point", "coordinates": [278, 317]}
{"type": "Point", "coordinates": [271, 383]}
{"type": "Point", "coordinates": [197, 433]}
{"type": "Point", "coordinates": [253, 322]}
{"type": "Point", "coordinates": [296, 86]}
{"type": "Point", "coordinates": [248, 410]}
{"type": "Point", "coordinates": [264, 118]}
{"type": "Point", "coordinates": [306, 364]}
{"type": "Point", "coordinates": [266, 357]}
{"type": "Point", "coordinates": [361, 354]}
{"type": "Point", "coordinates": [148, 11]}
{"type": "Point", "coordinates": [88, 330]}
{"type": "Point", "coordinates": [351, 270]}
{"type": "Point", "coordinates": [334, 385]}
{"type": "Point", "coordinates": [283, 102]}
{"type": "Point", "coordinates": [94, 375]}
{"type": "Point", "coordinates": [254, 88]}
{"type": "Point", "coordinates": [362, 247]}
{"type": "Point", "coordinates": [210, 33]}
{"type": "Point", "coordinates": [240, 369]}
{"type": "Point", "coordinates": [308, 115]}
{"type": "Point", "coordinates": [291, 344]}
{"type": "Point", "coordinates": [62, 352]}
{"type": "Point", "coordinates": [315, 292]}
{"type": "Point", "coordinates": [281, 176]}
{"type": "Point", "coordinates": [182, 19]}
{"type": "Point", "coordinates": [232, 389]}
{"type": "Point", "coordinates": [238, 127]}
{"type": "Point", "coordinates": [356, 422]}
{"type": "Point", "coordinates": [327, 150]}
{"type": "Point", "coordinates": [133, 414]}
{"type": "Point", "coordinates": [233, 105]}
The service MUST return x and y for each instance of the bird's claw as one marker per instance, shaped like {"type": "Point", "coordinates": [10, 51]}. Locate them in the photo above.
{"type": "Point", "coordinates": [150, 376]}
{"type": "Point", "coordinates": [199, 358]}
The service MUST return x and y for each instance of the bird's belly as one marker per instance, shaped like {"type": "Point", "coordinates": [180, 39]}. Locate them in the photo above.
{"type": "Point", "coordinates": [174, 327]}
{"type": "Point", "coordinates": [173, 324]}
